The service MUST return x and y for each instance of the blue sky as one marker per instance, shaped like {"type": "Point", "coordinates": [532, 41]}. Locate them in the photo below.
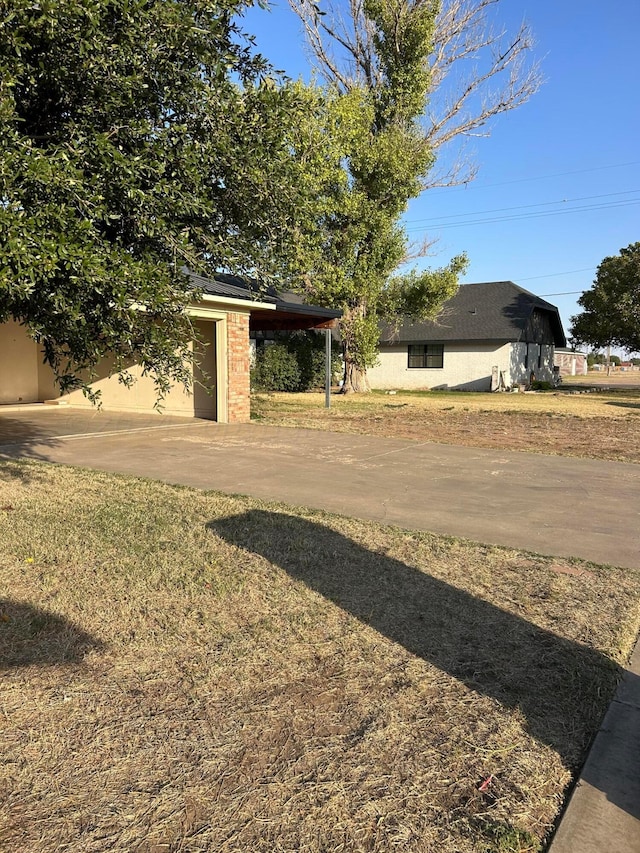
{"type": "Point", "coordinates": [575, 144]}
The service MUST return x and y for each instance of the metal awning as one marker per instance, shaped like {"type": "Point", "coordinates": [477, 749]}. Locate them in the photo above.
{"type": "Point", "coordinates": [289, 317]}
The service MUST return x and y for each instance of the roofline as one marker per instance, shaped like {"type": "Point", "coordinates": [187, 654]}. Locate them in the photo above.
{"type": "Point", "coordinates": [388, 342]}
{"type": "Point", "coordinates": [237, 303]}
{"type": "Point", "coordinates": [508, 281]}
{"type": "Point", "coordinates": [255, 300]}
{"type": "Point", "coordinates": [312, 310]}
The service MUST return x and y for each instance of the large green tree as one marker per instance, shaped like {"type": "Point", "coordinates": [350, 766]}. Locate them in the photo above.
{"type": "Point", "coordinates": [611, 315]}
{"type": "Point", "coordinates": [349, 253]}
{"type": "Point", "coordinates": [396, 66]}
{"type": "Point", "coordinates": [139, 137]}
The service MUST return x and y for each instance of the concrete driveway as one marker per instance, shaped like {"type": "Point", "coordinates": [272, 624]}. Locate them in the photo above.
{"type": "Point", "coordinates": [39, 423]}
{"type": "Point", "coordinates": [554, 505]}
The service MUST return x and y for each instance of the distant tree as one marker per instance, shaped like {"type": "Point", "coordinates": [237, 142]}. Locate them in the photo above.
{"type": "Point", "coordinates": [635, 361]}
{"type": "Point", "coordinates": [138, 137]}
{"type": "Point", "coordinates": [611, 315]}
{"type": "Point", "coordinates": [595, 358]}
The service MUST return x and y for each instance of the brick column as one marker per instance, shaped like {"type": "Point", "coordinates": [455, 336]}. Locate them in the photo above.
{"type": "Point", "coordinates": [238, 367]}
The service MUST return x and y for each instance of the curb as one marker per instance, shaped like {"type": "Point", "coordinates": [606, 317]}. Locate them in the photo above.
{"type": "Point", "coordinates": [603, 813]}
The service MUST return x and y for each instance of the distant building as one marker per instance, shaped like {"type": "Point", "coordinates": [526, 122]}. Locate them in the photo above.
{"type": "Point", "coordinates": [488, 336]}
{"type": "Point", "coordinates": [570, 362]}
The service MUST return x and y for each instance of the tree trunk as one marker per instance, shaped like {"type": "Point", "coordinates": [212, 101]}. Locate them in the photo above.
{"type": "Point", "coordinates": [359, 333]}
{"type": "Point", "coordinates": [355, 379]}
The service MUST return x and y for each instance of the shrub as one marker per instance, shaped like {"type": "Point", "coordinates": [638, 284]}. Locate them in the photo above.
{"type": "Point", "coordinates": [295, 361]}
{"type": "Point", "coordinates": [276, 369]}
{"type": "Point", "coordinates": [541, 385]}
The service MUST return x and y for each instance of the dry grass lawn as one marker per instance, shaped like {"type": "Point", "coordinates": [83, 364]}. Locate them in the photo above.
{"type": "Point", "coordinates": [601, 425]}
{"type": "Point", "coordinates": [187, 671]}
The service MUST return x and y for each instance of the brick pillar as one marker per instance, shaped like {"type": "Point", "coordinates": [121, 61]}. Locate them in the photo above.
{"type": "Point", "coordinates": [238, 367]}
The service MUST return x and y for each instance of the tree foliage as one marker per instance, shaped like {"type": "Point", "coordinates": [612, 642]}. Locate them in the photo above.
{"type": "Point", "coordinates": [611, 315]}
{"type": "Point", "coordinates": [396, 68]}
{"type": "Point", "coordinates": [276, 369]}
{"type": "Point", "coordinates": [475, 71]}
{"type": "Point", "coordinates": [139, 137]}
{"type": "Point", "coordinates": [384, 158]}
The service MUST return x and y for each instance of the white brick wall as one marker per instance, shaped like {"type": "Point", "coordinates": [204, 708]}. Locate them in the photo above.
{"type": "Point", "coordinates": [465, 366]}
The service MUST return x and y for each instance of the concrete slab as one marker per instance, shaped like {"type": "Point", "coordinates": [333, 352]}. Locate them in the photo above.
{"type": "Point", "coordinates": [554, 505]}
{"type": "Point", "coordinates": [38, 422]}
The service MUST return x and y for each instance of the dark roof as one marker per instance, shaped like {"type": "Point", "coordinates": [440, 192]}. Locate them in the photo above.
{"type": "Point", "coordinates": [231, 286]}
{"type": "Point", "coordinates": [291, 311]}
{"type": "Point", "coordinates": [487, 311]}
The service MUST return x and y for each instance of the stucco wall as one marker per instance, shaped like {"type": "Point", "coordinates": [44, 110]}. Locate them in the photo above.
{"type": "Point", "coordinates": [463, 368]}
{"type": "Point", "coordinates": [47, 388]}
{"type": "Point", "coordinates": [545, 372]}
{"type": "Point", "coordinates": [140, 397]}
{"type": "Point", "coordinates": [18, 365]}
{"type": "Point", "coordinates": [205, 378]}
{"type": "Point", "coordinates": [24, 379]}
{"type": "Point", "coordinates": [466, 367]}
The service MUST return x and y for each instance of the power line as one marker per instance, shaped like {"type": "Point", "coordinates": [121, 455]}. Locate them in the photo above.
{"type": "Point", "coordinates": [564, 293]}
{"type": "Point", "coordinates": [539, 177]}
{"type": "Point", "coordinates": [554, 274]}
{"type": "Point", "coordinates": [522, 206]}
{"type": "Point", "coordinates": [539, 215]}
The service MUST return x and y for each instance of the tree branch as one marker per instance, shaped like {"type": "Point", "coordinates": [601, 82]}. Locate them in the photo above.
{"type": "Point", "coordinates": [462, 103]}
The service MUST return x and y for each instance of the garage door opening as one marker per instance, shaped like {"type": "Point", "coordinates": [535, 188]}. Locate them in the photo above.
{"type": "Point", "coordinates": [205, 368]}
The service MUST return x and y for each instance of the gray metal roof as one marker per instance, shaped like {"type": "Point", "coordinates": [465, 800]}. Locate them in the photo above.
{"type": "Point", "coordinates": [249, 289]}
{"type": "Point", "coordinates": [486, 311]}
{"type": "Point", "coordinates": [232, 287]}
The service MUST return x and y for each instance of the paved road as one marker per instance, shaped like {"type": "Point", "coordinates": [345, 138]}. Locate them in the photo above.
{"type": "Point", "coordinates": [553, 505]}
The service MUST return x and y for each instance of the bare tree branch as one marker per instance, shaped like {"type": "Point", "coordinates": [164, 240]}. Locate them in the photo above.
{"type": "Point", "coordinates": [417, 250]}
{"type": "Point", "coordinates": [477, 72]}
{"type": "Point", "coordinates": [320, 53]}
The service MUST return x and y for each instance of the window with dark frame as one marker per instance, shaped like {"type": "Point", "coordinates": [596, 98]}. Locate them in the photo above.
{"type": "Point", "coordinates": [426, 355]}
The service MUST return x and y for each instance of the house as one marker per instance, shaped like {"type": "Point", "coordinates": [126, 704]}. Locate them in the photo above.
{"type": "Point", "coordinates": [228, 309]}
{"type": "Point", "coordinates": [488, 335]}
{"type": "Point", "coordinates": [570, 362]}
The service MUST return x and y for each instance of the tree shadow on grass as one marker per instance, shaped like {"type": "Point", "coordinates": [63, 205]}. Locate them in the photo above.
{"type": "Point", "coordinates": [22, 439]}
{"type": "Point", "coordinates": [30, 636]}
{"type": "Point", "coordinates": [623, 405]}
{"type": "Point", "coordinates": [561, 687]}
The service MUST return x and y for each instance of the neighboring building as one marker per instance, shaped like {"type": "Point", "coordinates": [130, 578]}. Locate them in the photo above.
{"type": "Point", "coordinates": [570, 362]}
{"type": "Point", "coordinates": [227, 310]}
{"type": "Point", "coordinates": [488, 334]}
